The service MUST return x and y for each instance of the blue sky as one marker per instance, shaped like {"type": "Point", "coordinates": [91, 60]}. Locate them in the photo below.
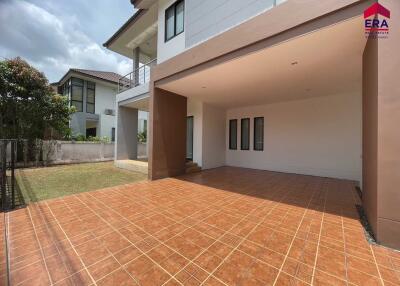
{"type": "Point", "coordinates": [55, 35]}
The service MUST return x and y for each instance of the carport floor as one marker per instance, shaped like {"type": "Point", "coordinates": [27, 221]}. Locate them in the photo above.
{"type": "Point", "coordinates": [227, 226]}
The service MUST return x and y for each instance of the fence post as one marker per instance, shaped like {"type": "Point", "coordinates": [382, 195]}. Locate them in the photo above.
{"type": "Point", "coordinates": [3, 173]}
{"type": "Point", "coordinates": [13, 149]}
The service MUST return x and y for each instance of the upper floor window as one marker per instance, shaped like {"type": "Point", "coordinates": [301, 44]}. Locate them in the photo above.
{"type": "Point", "coordinates": [77, 94]}
{"type": "Point", "coordinates": [174, 20]}
{"type": "Point", "coordinates": [90, 97]}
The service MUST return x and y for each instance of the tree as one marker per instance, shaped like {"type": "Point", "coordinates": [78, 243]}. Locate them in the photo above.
{"type": "Point", "coordinates": [29, 107]}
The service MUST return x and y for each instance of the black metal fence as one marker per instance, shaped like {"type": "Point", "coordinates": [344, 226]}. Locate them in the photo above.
{"type": "Point", "coordinates": [8, 151]}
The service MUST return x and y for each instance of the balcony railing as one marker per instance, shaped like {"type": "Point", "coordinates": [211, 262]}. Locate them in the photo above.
{"type": "Point", "coordinates": [138, 77]}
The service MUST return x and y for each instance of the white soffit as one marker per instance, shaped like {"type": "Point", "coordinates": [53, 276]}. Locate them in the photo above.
{"type": "Point", "coordinates": [324, 62]}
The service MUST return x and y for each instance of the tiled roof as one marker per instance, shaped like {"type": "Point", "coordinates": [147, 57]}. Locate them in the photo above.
{"type": "Point", "coordinates": [108, 76]}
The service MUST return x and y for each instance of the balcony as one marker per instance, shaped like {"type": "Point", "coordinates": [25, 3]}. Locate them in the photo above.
{"type": "Point", "coordinates": [138, 77]}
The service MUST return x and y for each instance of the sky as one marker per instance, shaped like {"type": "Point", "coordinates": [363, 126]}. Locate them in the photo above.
{"type": "Point", "coordinates": [56, 35]}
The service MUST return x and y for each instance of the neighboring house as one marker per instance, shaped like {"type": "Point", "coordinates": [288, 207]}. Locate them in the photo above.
{"type": "Point", "coordinates": [290, 86]}
{"type": "Point", "coordinates": [93, 95]}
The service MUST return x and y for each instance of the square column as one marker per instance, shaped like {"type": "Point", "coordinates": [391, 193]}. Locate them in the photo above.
{"type": "Point", "coordinates": [167, 134]}
{"type": "Point", "coordinates": [381, 139]}
{"type": "Point", "coordinates": [126, 134]}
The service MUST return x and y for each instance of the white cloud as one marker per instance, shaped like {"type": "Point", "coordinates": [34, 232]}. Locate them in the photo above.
{"type": "Point", "coordinates": [52, 44]}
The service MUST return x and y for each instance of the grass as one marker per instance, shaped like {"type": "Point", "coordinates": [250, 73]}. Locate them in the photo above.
{"type": "Point", "coordinates": [38, 184]}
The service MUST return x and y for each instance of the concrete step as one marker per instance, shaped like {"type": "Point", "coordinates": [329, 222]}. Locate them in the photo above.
{"type": "Point", "coordinates": [190, 164]}
{"type": "Point", "coordinates": [192, 167]}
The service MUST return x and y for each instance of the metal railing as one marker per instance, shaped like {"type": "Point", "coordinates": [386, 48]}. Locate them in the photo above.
{"type": "Point", "coordinates": [138, 77]}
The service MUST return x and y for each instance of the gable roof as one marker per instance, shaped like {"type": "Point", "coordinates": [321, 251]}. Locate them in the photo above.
{"type": "Point", "coordinates": [110, 77]}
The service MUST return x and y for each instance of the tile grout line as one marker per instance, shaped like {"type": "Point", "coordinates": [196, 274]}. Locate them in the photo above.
{"type": "Point", "coordinates": [56, 244]}
{"type": "Point", "coordinates": [320, 234]}
{"type": "Point", "coordinates": [40, 247]}
{"type": "Point", "coordinates": [190, 260]}
{"type": "Point", "coordinates": [345, 252]}
{"type": "Point", "coordinates": [294, 236]}
{"type": "Point", "coordinates": [143, 253]}
{"type": "Point", "coordinates": [251, 231]}
{"type": "Point", "coordinates": [72, 246]}
{"type": "Point", "coordinates": [6, 218]}
{"type": "Point", "coordinates": [106, 249]}
{"type": "Point", "coordinates": [110, 255]}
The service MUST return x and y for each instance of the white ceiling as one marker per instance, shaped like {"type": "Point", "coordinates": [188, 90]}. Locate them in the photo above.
{"type": "Point", "coordinates": [328, 62]}
{"type": "Point", "coordinates": [140, 104]}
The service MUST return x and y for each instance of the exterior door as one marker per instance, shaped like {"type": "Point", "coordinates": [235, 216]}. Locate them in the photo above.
{"type": "Point", "coordinates": [189, 138]}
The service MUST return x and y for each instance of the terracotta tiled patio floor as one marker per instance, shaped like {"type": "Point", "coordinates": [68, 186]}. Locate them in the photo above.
{"type": "Point", "coordinates": [227, 226]}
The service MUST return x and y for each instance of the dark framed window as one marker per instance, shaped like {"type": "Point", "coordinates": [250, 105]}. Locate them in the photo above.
{"type": "Point", "coordinates": [258, 143]}
{"type": "Point", "coordinates": [113, 134]}
{"type": "Point", "coordinates": [77, 94]}
{"type": "Point", "coordinates": [90, 97]}
{"type": "Point", "coordinates": [245, 134]}
{"type": "Point", "coordinates": [145, 125]}
{"type": "Point", "coordinates": [233, 134]}
{"type": "Point", "coordinates": [174, 20]}
{"type": "Point", "coordinates": [66, 88]}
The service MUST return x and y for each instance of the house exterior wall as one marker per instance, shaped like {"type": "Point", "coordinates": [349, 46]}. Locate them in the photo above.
{"type": "Point", "coordinates": [213, 137]}
{"type": "Point", "coordinates": [388, 109]}
{"type": "Point", "coordinates": [195, 109]}
{"type": "Point", "coordinates": [205, 19]}
{"type": "Point", "coordinates": [370, 133]}
{"type": "Point", "coordinates": [317, 136]}
{"type": "Point", "coordinates": [167, 50]}
{"type": "Point", "coordinates": [105, 99]}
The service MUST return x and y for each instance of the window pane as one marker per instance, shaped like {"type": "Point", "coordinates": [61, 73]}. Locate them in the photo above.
{"type": "Point", "coordinates": [233, 134]}
{"type": "Point", "coordinates": [245, 134]}
{"type": "Point", "coordinates": [90, 96]}
{"type": "Point", "coordinates": [77, 93]}
{"type": "Point", "coordinates": [259, 133]}
{"type": "Point", "coordinates": [78, 105]}
{"type": "Point", "coordinates": [113, 134]}
{"type": "Point", "coordinates": [90, 108]}
{"type": "Point", "coordinates": [91, 85]}
{"type": "Point", "coordinates": [77, 81]}
{"type": "Point", "coordinates": [180, 11]}
{"type": "Point", "coordinates": [169, 23]}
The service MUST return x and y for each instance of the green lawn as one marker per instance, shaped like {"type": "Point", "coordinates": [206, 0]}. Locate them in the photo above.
{"type": "Point", "coordinates": [38, 184]}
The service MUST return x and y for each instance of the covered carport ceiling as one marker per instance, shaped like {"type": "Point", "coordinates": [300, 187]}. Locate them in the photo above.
{"type": "Point", "coordinates": [324, 62]}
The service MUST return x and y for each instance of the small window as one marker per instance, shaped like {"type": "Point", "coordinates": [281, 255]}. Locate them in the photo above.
{"type": "Point", "coordinates": [77, 94]}
{"type": "Point", "coordinates": [90, 97]}
{"type": "Point", "coordinates": [258, 134]}
{"type": "Point", "coordinates": [174, 20]}
{"type": "Point", "coordinates": [113, 134]}
{"type": "Point", "coordinates": [233, 134]}
{"type": "Point", "coordinates": [245, 134]}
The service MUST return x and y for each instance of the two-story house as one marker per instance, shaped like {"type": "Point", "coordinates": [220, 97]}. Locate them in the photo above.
{"type": "Point", "coordinates": [299, 86]}
{"type": "Point", "coordinates": [92, 93]}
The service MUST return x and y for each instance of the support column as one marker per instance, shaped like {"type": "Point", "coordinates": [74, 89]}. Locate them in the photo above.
{"type": "Point", "coordinates": [126, 133]}
{"type": "Point", "coordinates": [381, 139]}
{"type": "Point", "coordinates": [167, 134]}
{"type": "Point", "coordinates": [136, 59]}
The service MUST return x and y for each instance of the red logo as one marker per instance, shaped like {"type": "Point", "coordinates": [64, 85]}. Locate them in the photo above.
{"type": "Point", "coordinates": [376, 21]}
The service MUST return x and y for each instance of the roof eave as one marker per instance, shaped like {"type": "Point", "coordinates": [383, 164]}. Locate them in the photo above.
{"type": "Point", "coordinates": [72, 71]}
{"type": "Point", "coordinates": [132, 20]}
